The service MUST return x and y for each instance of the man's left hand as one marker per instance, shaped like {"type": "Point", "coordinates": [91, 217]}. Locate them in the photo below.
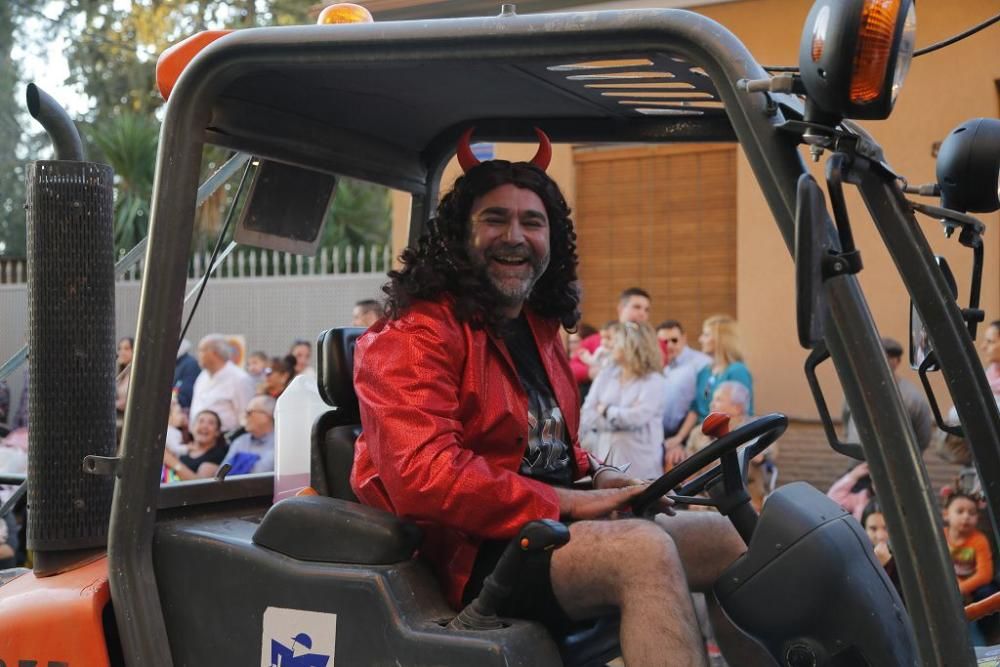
{"type": "Point", "coordinates": [612, 479]}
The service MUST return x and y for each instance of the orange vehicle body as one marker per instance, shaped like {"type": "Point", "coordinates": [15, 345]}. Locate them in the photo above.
{"type": "Point", "coordinates": [57, 620]}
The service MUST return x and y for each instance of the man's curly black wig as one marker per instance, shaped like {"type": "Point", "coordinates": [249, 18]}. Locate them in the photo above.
{"type": "Point", "coordinates": [440, 261]}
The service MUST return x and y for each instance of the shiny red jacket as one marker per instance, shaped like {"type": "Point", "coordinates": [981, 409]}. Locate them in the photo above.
{"type": "Point", "coordinates": [445, 424]}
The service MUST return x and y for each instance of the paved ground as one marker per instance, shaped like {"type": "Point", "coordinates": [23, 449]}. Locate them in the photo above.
{"type": "Point", "coordinates": [805, 455]}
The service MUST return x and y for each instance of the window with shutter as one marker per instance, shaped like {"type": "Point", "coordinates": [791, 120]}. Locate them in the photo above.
{"type": "Point", "coordinates": [661, 218]}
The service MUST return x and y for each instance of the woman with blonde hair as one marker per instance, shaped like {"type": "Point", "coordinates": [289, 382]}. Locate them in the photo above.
{"type": "Point", "coordinates": [720, 340]}
{"type": "Point", "coordinates": [622, 417]}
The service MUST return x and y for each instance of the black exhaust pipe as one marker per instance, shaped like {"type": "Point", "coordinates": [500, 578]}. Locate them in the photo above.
{"type": "Point", "coordinates": [71, 337]}
{"type": "Point", "coordinates": [55, 120]}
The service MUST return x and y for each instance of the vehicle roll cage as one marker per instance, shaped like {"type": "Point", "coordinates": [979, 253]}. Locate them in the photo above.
{"type": "Point", "coordinates": [205, 107]}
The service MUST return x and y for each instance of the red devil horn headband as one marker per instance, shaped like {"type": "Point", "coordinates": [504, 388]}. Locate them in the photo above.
{"type": "Point", "coordinates": [468, 160]}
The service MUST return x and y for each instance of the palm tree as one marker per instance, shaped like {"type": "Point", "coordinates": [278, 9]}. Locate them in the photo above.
{"type": "Point", "coordinates": [127, 141]}
{"type": "Point", "coordinates": [361, 215]}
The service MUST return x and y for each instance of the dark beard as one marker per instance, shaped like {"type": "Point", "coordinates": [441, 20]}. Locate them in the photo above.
{"type": "Point", "coordinates": [502, 297]}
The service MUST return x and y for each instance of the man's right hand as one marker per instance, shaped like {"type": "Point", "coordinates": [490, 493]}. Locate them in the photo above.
{"type": "Point", "coordinates": [595, 504]}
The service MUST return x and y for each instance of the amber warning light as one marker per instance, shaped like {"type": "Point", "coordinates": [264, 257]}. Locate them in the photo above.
{"type": "Point", "coordinates": [344, 12]}
{"type": "Point", "coordinates": [172, 62]}
{"type": "Point", "coordinates": [854, 56]}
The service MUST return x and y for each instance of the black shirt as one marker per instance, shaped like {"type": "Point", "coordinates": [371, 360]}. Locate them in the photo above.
{"type": "Point", "coordinates": [547, 456]}
{"type": "Point", "coordinates": [215, 455]}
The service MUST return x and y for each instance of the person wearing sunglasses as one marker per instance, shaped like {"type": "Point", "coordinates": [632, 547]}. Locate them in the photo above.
{"type": "Point", "coordinates": [681, 372]}
{"type": "Point", "coordinates": [719, 339]}
{"type": "Point", "coordinates": [254, 450]}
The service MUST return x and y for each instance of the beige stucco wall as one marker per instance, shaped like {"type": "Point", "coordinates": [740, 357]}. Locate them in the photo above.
{"type": "Point", "coordinates": [941, 90]}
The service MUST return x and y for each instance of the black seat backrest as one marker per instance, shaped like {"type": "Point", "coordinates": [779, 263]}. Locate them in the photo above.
{"type": "Point", "coordinates": [334, 433]}
{"type": "Point", "coordinates": [335, 369]}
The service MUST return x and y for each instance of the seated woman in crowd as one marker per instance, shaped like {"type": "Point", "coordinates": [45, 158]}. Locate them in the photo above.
{"type": "Point", "coordinates": [205, 453]}
{"type": "Point", "coordinates": [720, 340]}
{"type": "Point", "coordinates": [622, 417]}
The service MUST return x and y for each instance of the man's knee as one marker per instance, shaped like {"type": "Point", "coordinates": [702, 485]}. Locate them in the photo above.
{"type": "Point", "coordinates": [607, 563]}
{"type": "Point", "coordinates": [654, 552]}
{"type": "Point", "coordinates": [634, 550]}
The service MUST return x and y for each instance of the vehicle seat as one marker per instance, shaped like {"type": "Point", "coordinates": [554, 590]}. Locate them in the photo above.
{"type": "Point", "coordinates": [333, 438]}
{"type": "Point", "coordinates": [334, 433]}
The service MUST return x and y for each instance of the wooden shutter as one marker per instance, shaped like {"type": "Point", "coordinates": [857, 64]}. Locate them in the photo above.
{"type": "Point", "coordinates": [659, 218]}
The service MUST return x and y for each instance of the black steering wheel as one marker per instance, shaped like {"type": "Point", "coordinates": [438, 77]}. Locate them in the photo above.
{"type": "Point", "coordinates": [732, 467]}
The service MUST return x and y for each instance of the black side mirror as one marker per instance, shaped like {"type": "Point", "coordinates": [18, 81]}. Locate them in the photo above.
{"type": "Point", "coordinates": [920, 344]}
{"type": "Point", "coordinates": [286, 208]}
{"type": "Point", "coordinates": [813, 245]}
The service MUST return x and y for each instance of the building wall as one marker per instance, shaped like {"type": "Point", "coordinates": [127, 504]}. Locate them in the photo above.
{"type": "Point", "coordinates": [942, 89]}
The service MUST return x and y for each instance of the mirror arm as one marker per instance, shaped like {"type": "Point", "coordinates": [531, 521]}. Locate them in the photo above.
{"type": "Point", "coordinates": [848, 260]}
{"type": "Point", "coordinates": [970, 236]}
{"type": "Point", "coordinates": [818, 355]}
{"type": "Point", "coordinates": [973, 315]}
{"type": "Point", "coordinates": [929, 363]}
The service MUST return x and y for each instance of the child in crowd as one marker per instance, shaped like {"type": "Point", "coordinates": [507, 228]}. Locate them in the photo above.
{"type": "Point", "coordinates": [874, 524]}
{"type": "Point", "coordinates": [969, 547]}
{"type": "Point", "coordinates": [971, 554]}
{"type": "Point", "coordinates": [256, 365]}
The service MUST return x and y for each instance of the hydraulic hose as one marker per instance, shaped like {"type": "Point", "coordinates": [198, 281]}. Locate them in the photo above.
{"type": "Point", "coordinates": [61, 129]}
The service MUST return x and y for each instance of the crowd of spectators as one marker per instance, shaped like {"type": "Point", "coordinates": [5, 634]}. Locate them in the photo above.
{"type": "Point", "coordinates": [644, 394]}
{"type": "Point", "coordinates": [646, 391]}
{"type": "Point", "coordinates": [222, 414]}
{"type": "Point", "coordinates": [968, 532]}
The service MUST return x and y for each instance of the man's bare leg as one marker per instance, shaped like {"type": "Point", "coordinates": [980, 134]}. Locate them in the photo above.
{"type": "Point", "coordinates": [634, 566]}
{"type": "Point", "coordinates": [707, 542]}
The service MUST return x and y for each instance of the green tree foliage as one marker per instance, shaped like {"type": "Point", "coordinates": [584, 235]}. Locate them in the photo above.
{"type": "Point", "coordinates": [127, 142]}
{"type": "Point", "coordinates": [112, 50]}
{"type": "Point", "coordinates": [360, 215]}
{"type": "Point", "coordinates": [12, 232]}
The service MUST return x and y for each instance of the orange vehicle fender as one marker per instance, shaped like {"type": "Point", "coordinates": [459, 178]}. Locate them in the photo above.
{"type": "Point", "coordinates": [55, 620]}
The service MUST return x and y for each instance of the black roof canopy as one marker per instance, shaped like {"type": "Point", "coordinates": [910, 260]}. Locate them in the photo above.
{"type": "Point", "coordinates": [386, 101]}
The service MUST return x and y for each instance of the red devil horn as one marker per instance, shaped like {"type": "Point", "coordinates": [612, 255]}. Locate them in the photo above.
{"type": "Point", "coordinates": [544, 154]}
{"type": "Point", "coordinates": [466, 159]}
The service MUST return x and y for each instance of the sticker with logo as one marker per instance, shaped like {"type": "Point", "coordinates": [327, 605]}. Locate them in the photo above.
{"type": "Point", "coordinates": [298, 638]}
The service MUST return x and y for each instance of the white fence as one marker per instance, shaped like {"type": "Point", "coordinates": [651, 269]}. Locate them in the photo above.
{"type": "Point", "coordinates": [254, 263]}
{"type": "Point", "coordinates": [269, 312]}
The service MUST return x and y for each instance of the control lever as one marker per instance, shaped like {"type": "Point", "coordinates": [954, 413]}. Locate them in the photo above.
{"type": "Point", "coordinates": [534, 538]}
{"type": "Point", "coordinates": [716, 425]}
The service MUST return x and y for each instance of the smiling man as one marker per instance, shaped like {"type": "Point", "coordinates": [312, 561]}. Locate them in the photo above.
{"type": "Point", "coordinates": [470, 417]}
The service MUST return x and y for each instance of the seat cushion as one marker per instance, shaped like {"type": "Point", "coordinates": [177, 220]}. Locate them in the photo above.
{"type": "Point", "coordinates": [327, 530]}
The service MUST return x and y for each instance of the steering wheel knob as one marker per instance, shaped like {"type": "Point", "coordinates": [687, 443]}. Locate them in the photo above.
{"type": "Point", "coordinates": [716, 425]}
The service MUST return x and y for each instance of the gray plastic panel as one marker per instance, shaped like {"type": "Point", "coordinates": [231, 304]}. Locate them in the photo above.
{"type": "Point", "coordinates": [215, 586]}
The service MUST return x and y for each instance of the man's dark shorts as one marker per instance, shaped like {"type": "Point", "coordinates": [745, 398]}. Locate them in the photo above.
{"type": "Point", "coordinates": [532, 597]}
